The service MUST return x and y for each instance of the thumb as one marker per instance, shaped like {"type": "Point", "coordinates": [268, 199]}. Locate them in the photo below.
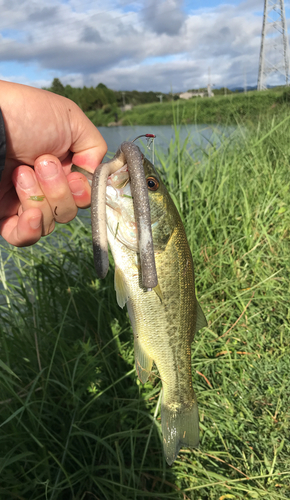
{"type": "Point", "coordinates": [88, 145]}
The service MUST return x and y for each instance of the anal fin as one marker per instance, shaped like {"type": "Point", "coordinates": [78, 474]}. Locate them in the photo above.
{"type": "Point", "coordinates": [143, 362]}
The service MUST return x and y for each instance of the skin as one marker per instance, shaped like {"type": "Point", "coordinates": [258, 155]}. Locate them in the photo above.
{"type": "Point", "coordinates": [49, 133]}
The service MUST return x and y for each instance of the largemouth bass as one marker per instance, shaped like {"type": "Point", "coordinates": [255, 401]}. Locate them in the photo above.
{"type": "Point", "coordinates": [165, 320]}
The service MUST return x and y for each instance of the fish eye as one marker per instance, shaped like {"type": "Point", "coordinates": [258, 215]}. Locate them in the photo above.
{"type": "Point", "coordinates": [152, 183]}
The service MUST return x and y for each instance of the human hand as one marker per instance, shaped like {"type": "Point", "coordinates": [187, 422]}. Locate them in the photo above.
{"type": "Point", "coordinates": [48, 132]}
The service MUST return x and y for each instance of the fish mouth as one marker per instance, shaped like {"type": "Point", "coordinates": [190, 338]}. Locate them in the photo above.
{"type": "Point", "coordinates": [116, 188]}
{"type": "Point", "coordinates": [120, 210]}
{"type": "Point", "coordinates": [120, 178]}
{"type": "Point", "coordinates": [112, 196]}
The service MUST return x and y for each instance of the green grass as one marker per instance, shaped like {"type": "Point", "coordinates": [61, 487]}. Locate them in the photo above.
{"type": "Point", "coordinates": [250, 107]}
{"type": "Point", "coordinates": [75, 424]}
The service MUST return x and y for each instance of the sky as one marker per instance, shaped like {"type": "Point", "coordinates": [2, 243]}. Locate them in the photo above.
{"type": "Point", "coordinates": [160, 45]}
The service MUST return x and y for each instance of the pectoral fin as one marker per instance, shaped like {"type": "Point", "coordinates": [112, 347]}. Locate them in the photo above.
{"type": "Point", "coordinates": [143, 362]}
{"type": "Point", "coordinates": [122, 291]}
{"type": "Point", "coordinates": [158, 292]}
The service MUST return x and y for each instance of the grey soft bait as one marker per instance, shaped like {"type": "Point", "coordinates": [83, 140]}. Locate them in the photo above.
{"type": "Point", "coordinates": [128, 153]}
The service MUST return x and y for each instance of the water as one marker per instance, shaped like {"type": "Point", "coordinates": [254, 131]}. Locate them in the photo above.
{"type": "Point", "coordinates": [200, 137]}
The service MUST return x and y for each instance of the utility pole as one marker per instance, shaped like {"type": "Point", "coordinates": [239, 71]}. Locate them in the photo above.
{"type": "Point", "coordinates": [160, 97]}
{"type": "Point", "coordinates": [209, 91]}
{"type": "Point", "coordinates": [245, 81]}
{"type": "Point", "coordinates": [274, 53]}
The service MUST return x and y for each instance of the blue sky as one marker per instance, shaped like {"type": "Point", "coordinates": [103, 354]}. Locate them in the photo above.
{"type": "Point", "coordinates": [159, 45]}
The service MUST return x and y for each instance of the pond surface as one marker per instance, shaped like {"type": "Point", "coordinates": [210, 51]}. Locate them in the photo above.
{"type": "Point", "coordinates": [200, 136]}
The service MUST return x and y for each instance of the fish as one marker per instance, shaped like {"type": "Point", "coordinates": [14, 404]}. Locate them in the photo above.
{"type": "Point", "coordinates": [164, 320]}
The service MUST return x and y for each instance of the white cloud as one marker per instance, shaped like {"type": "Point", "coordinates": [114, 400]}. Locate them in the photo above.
{"type": "Point", "coordinates": [143, 45]}
{"type": "Point", "coordinates": [165, 16]}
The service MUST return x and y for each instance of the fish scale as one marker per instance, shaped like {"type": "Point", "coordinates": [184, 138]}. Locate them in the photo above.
{"type": "Point", "coordinates": [164, 321]}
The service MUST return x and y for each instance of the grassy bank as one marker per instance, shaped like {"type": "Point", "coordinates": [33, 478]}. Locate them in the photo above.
{"type": "Point", "coordinates": [75, 424]}
{"type": "Point", "coordinates": [233, 108]}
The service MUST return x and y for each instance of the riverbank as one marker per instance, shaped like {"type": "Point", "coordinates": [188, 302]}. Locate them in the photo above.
{"type": "Point", "coordinates": [234, 108]}
{"type": "Point", "coordinates": [75, 422]}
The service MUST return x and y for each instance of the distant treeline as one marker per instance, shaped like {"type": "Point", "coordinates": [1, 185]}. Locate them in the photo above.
{"type": "Point", "coordinates": [102, 105]}
{"type": "Point", "coordinates": [101, 97]}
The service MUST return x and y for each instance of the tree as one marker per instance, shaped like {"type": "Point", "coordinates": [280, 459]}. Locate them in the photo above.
{"type": "Point", "coordinates": [57, 87]}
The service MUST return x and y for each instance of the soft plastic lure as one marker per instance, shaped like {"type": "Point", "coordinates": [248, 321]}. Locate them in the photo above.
{"type": "Point", "coordinates": [128, 153]}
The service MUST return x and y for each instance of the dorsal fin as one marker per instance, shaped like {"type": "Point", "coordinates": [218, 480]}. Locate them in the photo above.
{"type": "Point", "coordinates": [200, 318]}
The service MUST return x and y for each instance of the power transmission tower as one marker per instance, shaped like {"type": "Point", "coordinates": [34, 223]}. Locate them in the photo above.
{"type": "Point", "coordinates": [274, 53]}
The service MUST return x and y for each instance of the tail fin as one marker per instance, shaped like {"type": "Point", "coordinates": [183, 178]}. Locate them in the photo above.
{"type": "Point", "coordinates": [179, 428]}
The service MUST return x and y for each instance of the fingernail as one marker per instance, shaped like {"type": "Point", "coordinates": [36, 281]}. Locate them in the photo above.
{"type": "Point", "coordinates": [47, 169]}
{"type": "Point", "coordinates": [26, 180]}
{"type": "Point", "coordinates": [77, 186]}
{"type": "Point", "coordinates": [35, 222]}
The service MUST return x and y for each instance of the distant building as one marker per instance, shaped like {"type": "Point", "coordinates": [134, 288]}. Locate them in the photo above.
{"type": "Point", "coordinates": [127, 107]}
{"type": "Point", "coordinates": [189, 95]}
